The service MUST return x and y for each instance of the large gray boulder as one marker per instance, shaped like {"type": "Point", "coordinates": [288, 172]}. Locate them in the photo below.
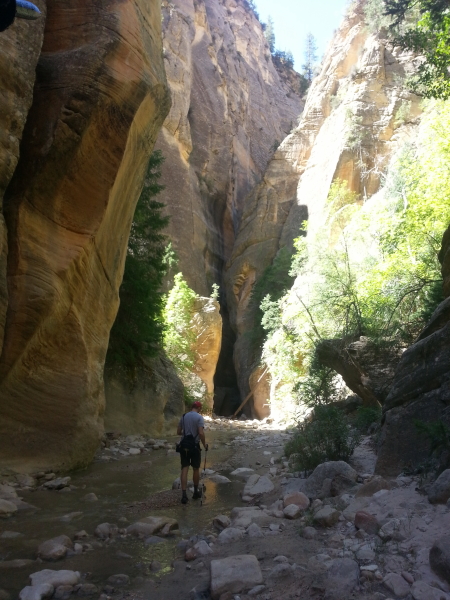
{"type": "Point", "coordinates": [235, 574]}
{"type": "Point", "coordinates": [55, 549]}
{"type": "Point", "coordinates": [439, 492]}
{"type": "Point", "coordinates": [321, 476]}
{"type": "Point", "coordinates": [440, 557]}
{"type": "Point", "coordinates": [151, 525]}
{"type": "Point", "coordinates": [38, 592]}
{"type": "Point", "coordinates": [257, 485]}
{"type": "Point", "coordinates": [55, 578]}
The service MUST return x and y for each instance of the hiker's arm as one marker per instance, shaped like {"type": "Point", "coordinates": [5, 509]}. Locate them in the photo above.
{"type": "Point", "coordinates": [179, 430]}
{"type": "Point", "coordinates": [201, 434]}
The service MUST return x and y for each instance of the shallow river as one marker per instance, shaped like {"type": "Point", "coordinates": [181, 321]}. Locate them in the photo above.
{"type": "Point", "coordinates": [117, 484]}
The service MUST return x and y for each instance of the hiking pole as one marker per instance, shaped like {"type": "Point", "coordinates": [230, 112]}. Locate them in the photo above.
{"type": "Point", "coordinates": [203, 476]}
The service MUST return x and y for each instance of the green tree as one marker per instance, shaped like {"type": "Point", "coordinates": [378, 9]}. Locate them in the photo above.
{"type": "Point", "coordinates": [269, 34]}
{"type": "Point", "coordinates": [423, 26]}
{"type": "Point", "coordinates": [309, 65]}
{"type": "Point", "coordinates": [139, 325]}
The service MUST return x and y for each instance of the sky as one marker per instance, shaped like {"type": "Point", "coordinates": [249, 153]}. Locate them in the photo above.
{"type": "Point", "coordinates": [293, 20]}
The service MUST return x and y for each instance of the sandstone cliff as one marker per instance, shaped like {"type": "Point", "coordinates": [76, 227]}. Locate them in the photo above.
{"type": "Point", "coordinates": [99, 100]}
{"type": "Point", "coordinates": [348, 130]}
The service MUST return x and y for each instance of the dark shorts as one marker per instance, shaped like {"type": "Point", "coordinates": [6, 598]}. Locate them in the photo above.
{"type": "Point", "coordinates": [191, 458]}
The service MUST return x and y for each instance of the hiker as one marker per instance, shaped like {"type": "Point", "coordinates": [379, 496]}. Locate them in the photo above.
{"type": "Point", "coordinates": [192, 428]}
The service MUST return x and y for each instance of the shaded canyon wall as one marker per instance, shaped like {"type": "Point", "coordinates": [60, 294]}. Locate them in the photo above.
{"type": "Point", "coordinates": [99, 100]}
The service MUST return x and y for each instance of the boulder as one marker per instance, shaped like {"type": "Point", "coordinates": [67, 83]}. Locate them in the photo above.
{"type": "Point", "coordinates": [342, 578]}
{"type": "Point", "coordinates": [254, 531]}
{"type": "Point", "coordinates": [119, 579]}
{"type": "Point", "coordinates": [38, 592]}
{"type": "Point", "coordinates": [242, 473]}
{"type": "Point", "coordinates": [297, 498]}
{"type": "Point", "coordinates": [25, 480]}
{"type": "Point", "coordinates": [91, 497]}
{"type": "Point", "coordinates": [201, 548]}
{"type": "Point", "coordinates": [150, 525]}
{"type": "Point", "coordinates": [395, 529]}
{"type": "Point", "coordinates": [292, 511]}
{"type": "Point", "coordinates": [366, 522]}
{"type": "Point", "coordinates": [309, 533]}
{"type": "Point", "coordinates": [55, 549]}
{"type": "Point", "coordinates": [257, 485]}
{"type": "Point", "coordinates": [231, 534]}
{"type": "Point", "coordinates": [440, 557]}
{"type": "Point", "coordinates": [55, 578]}
{"type": "Point", "coordinates": [439, 492]}
{"type": "Point", "coordinates": [321, 479]}
{"type": "Point", "coordinates": [376, 484]}
{"type": "Point", "coordinates": [219, 478]}
{"type": "Point", "coordinates": [243, 517]}
{"type": "Point", "coordinates": [280, 571]}
{"type": "Point", "coordinates": [7, 508]}
{"type": "Point", "coordinates": [397, 585]}
{"type": "Point", "coordinates": [221, 522]}
{"type": "Point", "coordinates": [57, 484]}
{"type": "Point", "coordinates": [422, 591]}
{"type": "Point", "coordinates": [105, 531]}
{"type": "Point", "coordinates": [327, 516]}
{"type": "Point", "coordinates": [235, 574]}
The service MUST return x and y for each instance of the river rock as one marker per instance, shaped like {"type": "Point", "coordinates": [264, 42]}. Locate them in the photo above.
{"type": "Point", "coordinates": [439, 492]}
{"type": "Point", "coordinates": [257, 485]}
{"type": "Point", "coordinates": [395, 529]}
{"type": "Point", "coordinates": [440, 557]}
{"type": "Point", "coordinates": [342, 578]}
{"type": "Point", "coordinates": [244, 516]}
{"type": "Point", "coordinates": [86, 589]}
{"type": "Point", "coordinates": [63, 592]}
{"type": "Point", "coordinates": [280, 571]}
{"type": "Point", "coordinates": [292, 511]}
{"type": "Point", "coordinates": [7, 491]}
{"type": "Point", "coordinates": [7, 508]}
{"type": "Point", "coordinates": [55, 549]}
{"type": "Point", "coordinates": [309, 533]}
{"type": "Point", "coordinates": [256, 590]}
{"type": "Point", "coordinates": [201, 548]}
{"type": "Point", "coordinates": [219, 479]}
{"type": "Point", "coordinates": [55, 578]}
{"type": "Point", "coordinates": [422, 591]}
{"type": "Point", "coordinates": [105, 531]}
{"type": "Point", "coordinates": [25, 480]}
{"type": "Point", "coordinates": [150, 525]}
{"type": "Point", "coordinates": [221, 522]}
{"type": "Point", "coordinates": [16, 563]}
{"type": "Point", "coordinates": [327, 516]}
{"type": "Point", "coordinates": [10, 535]}
{"type": "Point", "coordinates": [397, 585]}
{"type": "Point", "coordinates": [376, 484]}
{"type": "Point", "coordinates": [297, 498]}
{"type": "Point", "coordinates": [234, 574]}
{"type": "Point", "coordinates": [242, 473]}
{"type": "Point", "coordinates": [231, 534]}
{"type": "Point", "coordinates": [38, 592]}
{"type": "Point", "coordinates": [366, 522]}
{"type": "Point", "coordinates": [91, 497]}
{"type": "Point", "coordinates": [254, 531]}
{"type": "Point", "coordinates": [57, 484]}
{"type": "Point", "coordinates": [71, 516]}
{"type": "Point", "coordinates": [119, 579]}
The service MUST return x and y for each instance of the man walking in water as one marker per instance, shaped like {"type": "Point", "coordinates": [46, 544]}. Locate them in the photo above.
{"type": "Point", "coordinates": [192, 428]}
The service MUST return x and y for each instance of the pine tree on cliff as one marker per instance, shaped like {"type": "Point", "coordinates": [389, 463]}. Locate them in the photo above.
{"type": "Point", "coordinates": [139, 325]}
{"type": "Point", "coordinates": [310, 57]}
{"type": "Point", "coordinates": [269, 34]}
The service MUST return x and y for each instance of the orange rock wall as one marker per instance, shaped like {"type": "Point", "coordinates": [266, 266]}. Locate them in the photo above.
{"type": "Point", "coordinates": [100, 98]}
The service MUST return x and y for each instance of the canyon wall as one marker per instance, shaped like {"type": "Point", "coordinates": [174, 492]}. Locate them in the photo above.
{"type": "Point", "coordinates": [99, 100]}
{"type": "Point", "coordinates": [356, 95]}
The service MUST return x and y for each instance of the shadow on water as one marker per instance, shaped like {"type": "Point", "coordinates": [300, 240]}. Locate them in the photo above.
{"type": "Point", "coordinates": [118, 484]}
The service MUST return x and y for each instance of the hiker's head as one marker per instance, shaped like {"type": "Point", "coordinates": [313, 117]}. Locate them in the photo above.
{"type": "Point", "coordinates": [197, 406]}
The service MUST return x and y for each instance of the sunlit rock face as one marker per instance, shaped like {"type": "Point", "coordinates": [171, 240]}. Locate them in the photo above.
{"type": "Point", "coordinates": [230, 107]}
{"type": "Point", "coordinates": [99, 100]}
{"type": "Point", "coordinates": [358, 91]}
{"type": "Point", "coordinates": [420, 390]}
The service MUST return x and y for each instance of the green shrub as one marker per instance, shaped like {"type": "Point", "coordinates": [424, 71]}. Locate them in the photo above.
{"type": "Point", "coordinates": [438, 434]}
{"type": "Point", "coordinates": [365, 416]}
{"type": "Point", "coordinates": [327, 436]}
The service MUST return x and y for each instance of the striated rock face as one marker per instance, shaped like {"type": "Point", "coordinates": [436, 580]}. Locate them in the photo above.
{"type": "Point", "coordinates": [356, 95]}
{"type": "Point", "coordinates": [420, 390]}
{"type": "Point", "coordinates": [19, 52]}
{"type": "Point", "coordinates": [230, 107]}
{"type": "Point", "coordinates": [99, 100]}
{"type": "Point", "coordinates": [148, 401]}
{"type": "Point", "coordinates": [207, 324]}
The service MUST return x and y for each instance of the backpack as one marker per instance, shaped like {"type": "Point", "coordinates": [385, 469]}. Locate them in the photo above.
{"type": "Point", "coordinates": [187, 442]}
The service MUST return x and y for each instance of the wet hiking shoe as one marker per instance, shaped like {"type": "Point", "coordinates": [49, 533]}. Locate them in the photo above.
{"type": "Point", "coordinates": [184, 499]}
{"type": "Point", "coordinates": [196, 495]}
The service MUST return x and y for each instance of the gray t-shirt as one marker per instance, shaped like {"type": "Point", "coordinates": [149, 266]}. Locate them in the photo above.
{"type": "Point", "coordinates": [192, 421]}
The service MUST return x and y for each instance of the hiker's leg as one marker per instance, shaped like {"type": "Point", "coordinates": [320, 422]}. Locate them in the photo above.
{"type": "Point", "coordinates": [184, 478]}
{"type": "Point", "coordinates": [196, 477]}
